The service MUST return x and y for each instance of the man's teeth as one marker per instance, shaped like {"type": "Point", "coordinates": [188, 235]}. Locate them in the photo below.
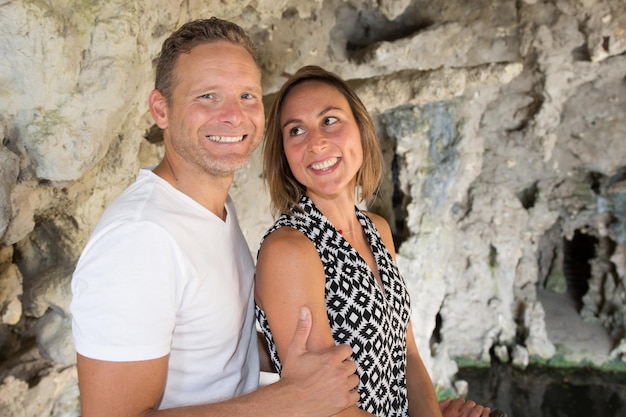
{"type": "Point", "coordinates": [325, 164]}
{"type": "Point", "coordinates": [225, 139]}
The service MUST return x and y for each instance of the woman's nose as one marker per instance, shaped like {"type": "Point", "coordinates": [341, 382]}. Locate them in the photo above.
{"type": "Point", "coordinates": [318, 141]}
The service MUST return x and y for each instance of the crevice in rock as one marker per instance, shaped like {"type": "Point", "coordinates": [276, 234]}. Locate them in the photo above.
{"type": "Point", "coordinates": [12, 350]}
{"type": "Point", "coordinates": [392, 201]}
{"type": "Point", "coordinates": [521, 328]}
{"type": "Point", "coordinates": [605, 43]}
{"type": "Point", "coordinates": [14, 340]}
{"type": "Point", "coordinates": [365, 27]}
{"type": "Point", "coordinates": [435, 338]}
{"type": "Point", "coordinates": [399, 201]}
{"type": "Point", "coordinates": [290, 12]}
{"type": "Point", "coordinates": [154, 135]}
{"type": "Point", "coordinates": [493, 257]}
{"type": "Point", "coordinates": [581, 54]}
{"type": "Point", "coordinates": [528, 196]}
{"type": "Point", "coordinates": [577, 254]}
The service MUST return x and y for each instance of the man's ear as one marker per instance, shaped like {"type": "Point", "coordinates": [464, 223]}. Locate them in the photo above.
{"type": "Point", "coordinates": [158, 108]}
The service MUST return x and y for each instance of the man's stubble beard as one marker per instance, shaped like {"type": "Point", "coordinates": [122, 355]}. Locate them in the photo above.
{"type": "Point", "coordinates": [210, 164]}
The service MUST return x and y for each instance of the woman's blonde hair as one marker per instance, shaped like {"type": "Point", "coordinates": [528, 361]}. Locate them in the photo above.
{"type": "Point", "coordinates": [285, 190]}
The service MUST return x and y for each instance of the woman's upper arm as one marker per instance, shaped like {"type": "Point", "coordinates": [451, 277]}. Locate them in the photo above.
{"type": "Point", "coordinates": [290, 275]}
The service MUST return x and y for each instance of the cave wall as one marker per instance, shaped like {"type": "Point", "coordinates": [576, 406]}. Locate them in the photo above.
{"type": "Point", "coordinates": [503, 126]}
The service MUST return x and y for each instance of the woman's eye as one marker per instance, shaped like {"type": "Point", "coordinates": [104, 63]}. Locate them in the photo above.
{"type": "Point", "coordinates": [330, 120]}
{"type": "Point", "coordinates": [295, 131]}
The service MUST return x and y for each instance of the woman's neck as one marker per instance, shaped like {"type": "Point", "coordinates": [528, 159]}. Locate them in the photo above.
{"type": "Point", "coordinates": [340, 211]}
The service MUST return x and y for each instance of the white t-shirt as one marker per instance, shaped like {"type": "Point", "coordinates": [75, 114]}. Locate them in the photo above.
{"type": "Point", "coordinates": [163, 275]}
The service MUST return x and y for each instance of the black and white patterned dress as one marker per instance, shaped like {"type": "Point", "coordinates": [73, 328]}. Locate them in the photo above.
{"type": "Point", "coordinates": [372, 322]}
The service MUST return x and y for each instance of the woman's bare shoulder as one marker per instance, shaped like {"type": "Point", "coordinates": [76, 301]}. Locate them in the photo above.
{"type": "Point", "coordinates": [384, 230]}
{"type": "Point", "coordinates": [289, 248]}
{"type": "Point", "coordinates": [286, 239]}
{"type": "Point", "coordinates": [379, 221]}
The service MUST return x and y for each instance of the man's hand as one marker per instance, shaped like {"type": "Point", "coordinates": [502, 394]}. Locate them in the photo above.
{"type": "Point", "coordinates": [461, 408]}
{"type": "Point", "coordinates": [325, 381]}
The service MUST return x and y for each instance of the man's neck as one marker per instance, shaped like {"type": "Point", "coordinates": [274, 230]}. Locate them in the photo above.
{"type": "Point", "coordinates": [209, 191]}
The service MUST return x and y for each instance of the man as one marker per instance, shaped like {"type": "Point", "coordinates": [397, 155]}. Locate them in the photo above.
{"type": "Point", "coordinates": [162, 303]}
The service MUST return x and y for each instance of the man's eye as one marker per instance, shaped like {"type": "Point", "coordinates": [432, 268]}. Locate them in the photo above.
{"type": "Point", "coordinates": [330, 120]}
{"type": "Point", "coordinates": [295, 131]}
{"type": "Point", "coordinates": [207, 95]}
{"type": "Point", "coordinates": [247, 96]}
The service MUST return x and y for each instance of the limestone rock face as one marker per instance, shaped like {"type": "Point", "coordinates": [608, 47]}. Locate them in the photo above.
{"type": "Point", "coordinates": [503, 130]}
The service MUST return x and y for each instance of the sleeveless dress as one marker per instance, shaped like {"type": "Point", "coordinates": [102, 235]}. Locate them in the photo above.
{"type": "Point", "coordinates": [372, 322]}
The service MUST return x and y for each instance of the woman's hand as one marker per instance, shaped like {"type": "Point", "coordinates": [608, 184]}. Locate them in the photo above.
{"type": "Point", "coordinates": [461, 408]}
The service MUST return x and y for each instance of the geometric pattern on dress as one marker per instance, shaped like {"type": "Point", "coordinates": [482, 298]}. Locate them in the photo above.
{"type": "Point", "coordinates": [372, 322]}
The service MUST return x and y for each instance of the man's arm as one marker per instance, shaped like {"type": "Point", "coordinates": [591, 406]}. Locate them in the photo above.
{"type": "Point", "coordinates": [120, 388]}
{"type": "Point", "coordinates": [321, 383]}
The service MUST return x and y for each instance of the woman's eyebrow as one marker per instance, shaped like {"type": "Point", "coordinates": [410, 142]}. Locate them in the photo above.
{"type": "Point", "coordinates": [321, 113]}
{"type": "Point", "coordinates": [290, 121]}
{"type": "Point", "coordinates": [327, 109]}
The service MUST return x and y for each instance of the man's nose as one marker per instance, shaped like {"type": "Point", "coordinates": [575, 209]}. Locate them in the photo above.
{"type": "Point", "coordinates": [231, 111]}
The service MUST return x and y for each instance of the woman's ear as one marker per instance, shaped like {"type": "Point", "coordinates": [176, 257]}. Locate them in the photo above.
{"type": "Point", "coordinates": [158, 108]}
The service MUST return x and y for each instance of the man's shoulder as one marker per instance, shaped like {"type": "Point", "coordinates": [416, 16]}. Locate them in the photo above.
{"type": "Point", "coordinates": [131, 202]}
{"type": "Point", "coordinates": [146, 198]}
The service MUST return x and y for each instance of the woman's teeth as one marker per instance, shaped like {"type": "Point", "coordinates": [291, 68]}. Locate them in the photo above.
{"type": "Point", "coordinates": [320, 166]}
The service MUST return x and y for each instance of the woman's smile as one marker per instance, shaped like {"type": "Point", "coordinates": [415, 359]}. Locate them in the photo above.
{"type": "Point", "coordinates": [325, 165]}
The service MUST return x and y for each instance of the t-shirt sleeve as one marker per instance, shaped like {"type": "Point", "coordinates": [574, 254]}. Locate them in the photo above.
{"type": "Point", "coordinates": [124, 293]}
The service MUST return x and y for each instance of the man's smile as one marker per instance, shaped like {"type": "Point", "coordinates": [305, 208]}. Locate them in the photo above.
{"type": "Point", "coordinates": [225, 139]}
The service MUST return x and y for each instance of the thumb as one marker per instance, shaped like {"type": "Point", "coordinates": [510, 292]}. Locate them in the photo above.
{"type": "Point", "coordinates": [444, 404]}
{"type": "Point", "coordinates": [303, 329]}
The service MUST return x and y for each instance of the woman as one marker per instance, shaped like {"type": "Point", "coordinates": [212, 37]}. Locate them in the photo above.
{"type": "Point", "coordinates": [321, 155]}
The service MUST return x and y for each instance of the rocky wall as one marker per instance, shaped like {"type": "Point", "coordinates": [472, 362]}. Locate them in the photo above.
{"type": "Point", "coordinates": [503, 126]}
